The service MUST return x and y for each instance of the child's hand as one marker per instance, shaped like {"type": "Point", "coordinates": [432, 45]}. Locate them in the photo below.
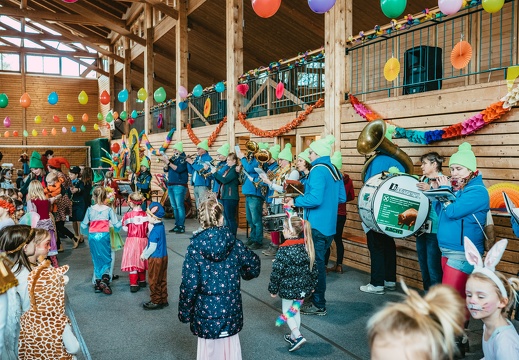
{"type": "Point", "coordinates": [143, 258]}
{"type": "Point", "coordinates": [273, 295]}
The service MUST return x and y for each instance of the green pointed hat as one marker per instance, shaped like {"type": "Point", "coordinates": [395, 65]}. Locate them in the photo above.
{"type": "Point", "coordinates": [35, 161]}
{"type": "Point", "coordinates": [263, 146]}
{"type": "Point", "coordinates": [97, 177]}
{"type": "Point", "coordinates": [224, 149]}
{"type": "Point", "coordinates": [274, 151]}
{"type": "Point", "coordinates": [336, 159]}
{"type": "Point", "coordinates": [145, 162]}
{"type": "Point", "coordinates": [286, 153]}
{"type": "Point", "coordinates": [179, 146]}
{"type": "Point", "coordinates": [323, 147]}
{"type": "Point", "coordinates": [204, 144]}
{"type": "Point", "coordinates": [305, 156]}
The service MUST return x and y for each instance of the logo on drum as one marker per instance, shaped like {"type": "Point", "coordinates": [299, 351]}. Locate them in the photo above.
{"type": "Point", "coordinates": [394, 230]}
{"type": "Point", "coordinates": [394, 187]}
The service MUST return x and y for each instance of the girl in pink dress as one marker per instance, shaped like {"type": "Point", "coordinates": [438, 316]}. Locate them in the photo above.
{"type": "Point", "coordinates": [135, 222]}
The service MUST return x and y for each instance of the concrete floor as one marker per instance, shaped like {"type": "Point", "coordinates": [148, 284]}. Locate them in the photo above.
{"type": "Point", "coordinates": [117, 327]}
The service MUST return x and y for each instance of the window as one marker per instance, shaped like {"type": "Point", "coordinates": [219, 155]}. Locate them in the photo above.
{"type": "Point", "coordinates": [69, 67]}
{"type": "Point", "coordinates": [43, 64]}
{"type": "Point", "coordinates": [9, 62]}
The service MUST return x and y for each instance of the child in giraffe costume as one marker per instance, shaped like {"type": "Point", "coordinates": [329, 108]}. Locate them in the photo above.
{"type": "Point", "coordinates": [45, 331]}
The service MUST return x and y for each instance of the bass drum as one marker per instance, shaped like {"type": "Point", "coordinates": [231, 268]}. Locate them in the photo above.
{"type": "Point", "coordinates": [391, 204]}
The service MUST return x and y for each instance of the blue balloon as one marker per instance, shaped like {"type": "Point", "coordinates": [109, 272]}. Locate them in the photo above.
{"type": "Point", "coordinates": [321, 6]}
{"type": "Point", "coordinates": [182, 105]}
{"type": "Point", "coordinates": [73, 129]}
{"type": "Point", "coordinates": [53, 98]}
{"type": "Point", "coordinates": [123, 95]}
{"type": "Point", "coordinates": [220, 87]}
{"type": "Point", "coordinates": [134, 114]}
{"type": "Point", "coordinates": [198, 90]}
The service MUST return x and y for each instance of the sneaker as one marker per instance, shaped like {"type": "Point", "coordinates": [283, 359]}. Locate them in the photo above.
{"type": "Point", "coordinates": [142, 284]}
{"type": "Point", "coordinates": [297, 343]}
{"type": "Point", "coordinates": [255, 246]}
{"type": "Point", "coordinates": [181, 230]}
{"type": "Point", "coordinates": [175, 229]}
{"type": "Point", "coordinates": [312, 310]}
{"type": "Point", "coordinates": [390, 285]}
{"type": "Point", "coordinates": [288, 339]}
{"type": "Point", "coordinates": [271, 251]}
{"type": "Point", "coordinates": [249, 242]}
{"type": "Point", "coordinates": [150, 305]}
{"type": "Point", "coordinates": [379, 290]}
{"type": "Point", "coordinates": [134, 288]}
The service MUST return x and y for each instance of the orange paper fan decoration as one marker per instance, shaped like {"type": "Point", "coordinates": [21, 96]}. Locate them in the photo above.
{"type": "Point", "coordinates": [496, 194]}
{"type": "Point", "coordinates": [461, 55]}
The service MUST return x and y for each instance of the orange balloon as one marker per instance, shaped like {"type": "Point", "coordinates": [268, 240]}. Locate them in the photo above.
{"type": "Point", "coordinates": [108, 126]}
{"type": "Point", "coordinates": [25, 100]}
{"type": "Point", "coordinates": [44, 132]}
{"type": "Point", "coordinates": [53, 131]}
{"type": "Point", "coordinates": [104, 98]}
{"type": "Point", "coordinates": [15, 133]}
{"type": "Point", "coordinates": [6, 134]}
{"type": "Point", "coordinates": [85, 117]}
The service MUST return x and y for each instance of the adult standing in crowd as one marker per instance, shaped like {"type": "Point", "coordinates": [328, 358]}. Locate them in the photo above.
{"type": "Point", "coordinates": [176, 167]}
{"type": "Point", "coordinates": [427, 249]}
{"type": "Point", "coordinates": [304, 165]}
{"type": "Point", "coordinates": [221, 166]}
{"type": "Point", "coordinates": [253, 200]}
{"type": "Point", "coordinates": [37, 172]}
{"type": "Point", "coordinates": [324, 191]}
{"type": "Point", "coordinates": [228, 192]}
{"type": "Point", "coordinates": [201, 184]}
{"type": "Point", "coordinates": [464, 217]}
{"type": "Point", "coordinates": [341, 216]}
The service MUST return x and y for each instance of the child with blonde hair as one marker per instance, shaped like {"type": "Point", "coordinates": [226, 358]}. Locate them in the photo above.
{"type": "Point", "coordinates": [41, 244]}
{"type": "Point", "coordinates": [135, 222]}
{"type": "Point", "coordinates": [418, 328]}
{"type": "Point", "coordinates": [490, 297]}
{"type": "Point", "coordinates": [40, 207]}
{"type": "Point", "coordinates": [294, 275]}
{"type": "Point", "coordinates": [96, 224]}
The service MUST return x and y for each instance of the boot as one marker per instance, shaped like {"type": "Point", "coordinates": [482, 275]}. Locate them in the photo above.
{"type": "Point", "coordinates": [134, 287]}
{"type": "Point", "coordinates": [104, 285]}
{"type": "Point", "coordinates": [142, 278]}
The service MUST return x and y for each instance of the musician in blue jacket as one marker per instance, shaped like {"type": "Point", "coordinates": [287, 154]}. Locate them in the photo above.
{"type": "Point", "coordinates": [221, 166]}
{"type": "Point", "coordinates": [201, 184]}
{"type": "Point", "coordinates": [324, 190]}
{"type": "Point", "coordinates": [176, 167]}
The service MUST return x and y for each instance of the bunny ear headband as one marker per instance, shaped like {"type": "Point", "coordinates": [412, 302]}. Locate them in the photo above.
{"type": "Point", "coordinates": [488, 267]}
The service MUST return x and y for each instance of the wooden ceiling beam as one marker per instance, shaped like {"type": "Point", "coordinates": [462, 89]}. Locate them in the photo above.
{"type": "Point", "coordinates": [41, 36]}
{"type": "Point", "coordinates": [107, 22]}
{"type": "Point", "coordinates": [38, 51]}
{"type": "Point", "coordinates": [89, 9]}
{"type": "Point", "coordinates": [162, 7]}
{"type": "Point", "coordinates": [47, 15]}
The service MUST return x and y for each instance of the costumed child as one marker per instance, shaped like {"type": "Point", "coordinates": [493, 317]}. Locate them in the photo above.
{"type": "Point", "coordinates": [490, 297]}
{"type": "Point", "coordinates": [77, 195]}
{"type": "Point", "coordinates": [143, 182]}
{"type": "Point", "coordinates": [210, 296]}
{"type": "Point", "coordinates": [156, 253]}
{"type": "Point", "coordinates": [116, 242]}
{"type": "Point", "coordinates": [38, 208]}
{"type": "Point", "coordinates": [418, 328]}
{"type": "Point", "coordinates": [16, 241]}
{"type": "Point", "coordinates": [135, 222]}
{"type": "Point", "coordinates": [7, 281]}
{"type": "Point", "coordinates": [7, 211]}
{"type": "Point", "coordinates": [41, 245]}
{"type": "Point", "coordinates": [96, 225]}
{"type": "Point", "coordinates": [294, 275]}
{"type": "Point", "coordinates": [45, 330]}
{"type": "Point", "coordinates": [53, 189]}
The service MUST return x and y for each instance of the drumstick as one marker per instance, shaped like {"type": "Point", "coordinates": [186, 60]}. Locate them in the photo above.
{"type": "Point", "coordinates": [296, 189]}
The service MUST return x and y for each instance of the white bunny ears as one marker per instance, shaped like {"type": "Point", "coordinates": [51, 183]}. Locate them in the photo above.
{"type": "Point", "coordinates": [488, 267]}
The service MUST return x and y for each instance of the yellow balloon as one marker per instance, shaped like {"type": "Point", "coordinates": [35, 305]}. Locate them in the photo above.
{"type": "Point", "coordinates": [70, 118]}
{"type": "Point", "coordinates": [492, 6]}
{"type": "Point", "coordinates": [37, 119]}
{"type": "Point", "coordinates": [34, 133]}
{"type": "Point", "coordinates": [96, 127]}
{"type": "Point", "coordinates": [142, 94]}
{"type": "Point", "coordinates": [82, 97]}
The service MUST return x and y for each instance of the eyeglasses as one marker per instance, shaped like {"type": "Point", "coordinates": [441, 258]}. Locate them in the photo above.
{"type": "Point", "coordinates": [310, 152]}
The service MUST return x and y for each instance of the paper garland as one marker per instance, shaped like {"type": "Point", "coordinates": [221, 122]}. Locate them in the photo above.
{"type": "Point", "coordinates": [211, 139]}
{"type": "Point", "coordinates": [476, 122]}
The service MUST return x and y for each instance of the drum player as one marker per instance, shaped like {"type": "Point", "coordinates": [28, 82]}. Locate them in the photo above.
{"type": "Point", "coordinates": [324, 190]}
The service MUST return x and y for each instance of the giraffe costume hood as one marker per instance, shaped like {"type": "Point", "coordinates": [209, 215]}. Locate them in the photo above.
{"type": "Point", "coordinates": [42, 326]}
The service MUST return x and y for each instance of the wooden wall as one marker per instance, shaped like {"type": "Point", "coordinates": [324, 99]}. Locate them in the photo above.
{"type": "Point", "coordinates": [38, 88]}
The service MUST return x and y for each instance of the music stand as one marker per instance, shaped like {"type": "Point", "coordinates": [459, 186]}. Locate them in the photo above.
{"type": "Point", "coordinates": [125, 190]}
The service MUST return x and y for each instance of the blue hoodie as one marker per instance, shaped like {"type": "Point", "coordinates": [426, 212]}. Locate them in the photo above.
{"type": "Point", "coordinates": [322, 197]}
{"type": "Point", "coordinates": [180, 175]}
{"type": "Point", "coordinates": [248, 187]}
{"type": "Point", "coordinates": [198, 166]}
{"type": "Point", "coordinates": [456, 221]}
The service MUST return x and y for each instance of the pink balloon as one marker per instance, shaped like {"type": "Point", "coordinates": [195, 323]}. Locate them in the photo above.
{"type": "Point", "coordinates": [450, 7]}
{"type": "Point", "coordinates": [280, 89]}
{"type": "Point", "coordinates": [7, 121]}
{"type": "Point", "coordinates": [63, 130]}
{"type": "Point", "coordinates": [182, 92]}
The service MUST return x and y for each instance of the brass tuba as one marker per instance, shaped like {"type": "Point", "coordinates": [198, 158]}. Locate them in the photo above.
{"type": "Point", "coordinates": [263, 156]}
{"type": "Point", "coordinates": [252, 149]}
{"type": "Point", "coordinates": [373, 138]}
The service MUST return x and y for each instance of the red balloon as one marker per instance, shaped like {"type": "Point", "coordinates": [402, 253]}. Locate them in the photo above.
{"type": "Point", "coordinates": [55, 118]}
{"type": "Point", "coordinates": [15, 133]}
{"type": "Point", "coordinates": [265, 8]}
{"type": "Point", "coordinates": [104, 98]}
{"type": "Point", "coordinates": [115, 147]}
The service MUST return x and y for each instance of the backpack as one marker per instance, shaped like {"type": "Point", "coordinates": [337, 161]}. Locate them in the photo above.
{"type": "Point", "coordinates": [348, 184]}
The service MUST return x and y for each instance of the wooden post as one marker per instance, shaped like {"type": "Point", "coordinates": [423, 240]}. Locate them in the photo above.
{"type": "Point", "coordinates": [234, 40]}
{"type": "Point", "coordinates": [23, 5]}
{"type": "Point", "coordinates": [127, 79]}
{"type": "Point", "coordinates": [181, 72]}
{"type": "Point", "coordinates": [336, 21]}
{"type": "Point", "coordinates": [111, 84]}
{"type": "Point", "coordinates": [148, 67]}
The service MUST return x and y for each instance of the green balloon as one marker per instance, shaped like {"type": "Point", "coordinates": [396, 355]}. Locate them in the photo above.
{"type": "Point", "coordinates": [99, 116]}
{"type": "Point", "coordinates": [83, 128]}
{"type": "Point", "coordinates": [393, 8]}
{"type": "Point", "coordinates": [4, 100]}
{"type": "Point", "coordinates": [123, 115]}
{"type": "Point", "coordinates": [109, 117]}
{"type": "Point", "coordinates": [25, 133]}
{"type": "Point", "coordinates": [159, 95]}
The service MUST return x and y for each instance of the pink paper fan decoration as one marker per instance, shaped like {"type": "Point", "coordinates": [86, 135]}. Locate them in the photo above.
{"type": "Point", "coordinates": [280, 89]}
{"type": "Point", "coordinates": [69, 1]}
{"type": "Point", "coordinates": [242, 89]}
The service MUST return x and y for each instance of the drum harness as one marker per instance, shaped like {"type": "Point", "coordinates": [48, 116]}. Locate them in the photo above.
{"type": "Point", "coordinates": [336, 175]}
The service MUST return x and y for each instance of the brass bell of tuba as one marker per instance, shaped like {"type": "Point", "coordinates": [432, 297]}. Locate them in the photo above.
{"type": "Point", "coordinates": [373, 138]}
{"type": "Point", "coordinates": [263, 156]}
